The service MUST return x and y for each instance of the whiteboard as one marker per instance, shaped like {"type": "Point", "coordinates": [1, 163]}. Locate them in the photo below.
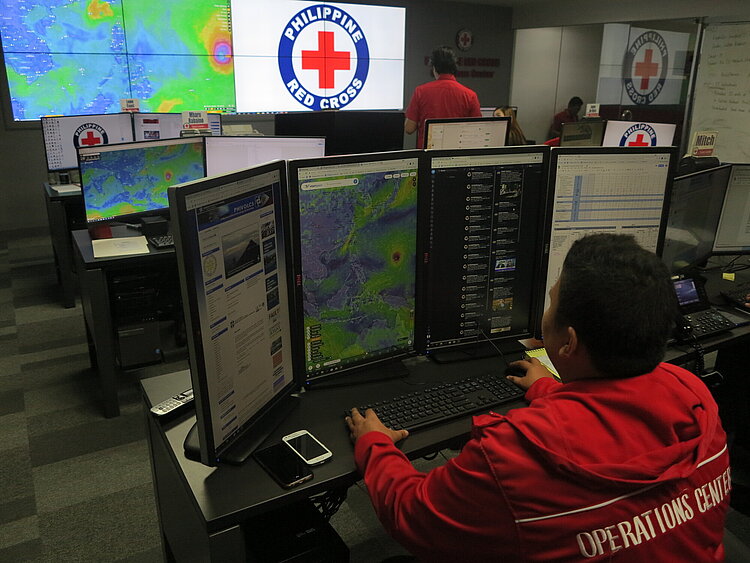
{"type": "Point", "coordinates": [722, 90]}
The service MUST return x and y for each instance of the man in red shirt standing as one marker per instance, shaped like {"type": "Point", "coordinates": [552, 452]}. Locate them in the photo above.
{"type": "Point", "coordinates": [443, 98]}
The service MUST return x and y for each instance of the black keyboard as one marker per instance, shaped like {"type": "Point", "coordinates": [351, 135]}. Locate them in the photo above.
{"type": "Point", "coordinates": [738, 294]}
{"type": "Point", "coordinates": [709, 322]}
{"type": "Point", "coordinates": [161, 241]}
{"type": "Point", "coordinates": [445, 401]}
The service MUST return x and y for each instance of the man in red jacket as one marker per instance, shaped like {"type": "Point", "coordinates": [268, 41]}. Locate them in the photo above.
{"type": "Point", "coordinates": [444, 97]}
{"type": "Point", "coordinates": [626, 460]}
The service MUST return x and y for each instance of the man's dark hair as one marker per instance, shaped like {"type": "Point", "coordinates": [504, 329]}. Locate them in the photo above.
{"type": "Point", "coordinates": [620, 300]}
{"type": "Point", "coordinates": [575, 101]}
{"type": "Point", "coordinates": [444, 60]}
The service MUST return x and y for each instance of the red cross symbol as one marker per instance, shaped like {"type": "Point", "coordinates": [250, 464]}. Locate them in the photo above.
{"type": "Point", "coordinates": [646, 69]}
{"type": "Point", "coordinates": [90, 139]}
{"type": "Point", "coordinates": [639, 142]}
{"type": "Point", "coordinates": [326, 60]}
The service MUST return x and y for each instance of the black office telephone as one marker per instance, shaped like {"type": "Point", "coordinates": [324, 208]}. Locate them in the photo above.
{"type": "Point", "coordinates": [698, 318]}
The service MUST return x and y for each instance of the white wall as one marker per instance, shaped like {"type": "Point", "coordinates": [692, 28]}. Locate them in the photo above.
{"type": "Point", "coordinates": [550, 66]}
{"type": "Point", "coordinates": [546, 13]}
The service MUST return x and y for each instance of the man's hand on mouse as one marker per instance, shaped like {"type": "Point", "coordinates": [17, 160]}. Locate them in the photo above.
{"type": "Point", "coordinates": [534, 370]}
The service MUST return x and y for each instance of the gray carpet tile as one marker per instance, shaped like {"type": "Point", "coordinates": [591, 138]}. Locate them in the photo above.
{"type": "Point", "coordinates": [16, 486]}
{"type": "Point", "coordinates": [106, 528]}
{"type": "Point", "coordinates": [13, 432]}
{"type": "Point", "coordinates": [50, 334]}
{"type": "Point", "coordinates": [17, 532]}
{"type": "Point", "coordinates": [31, 550]}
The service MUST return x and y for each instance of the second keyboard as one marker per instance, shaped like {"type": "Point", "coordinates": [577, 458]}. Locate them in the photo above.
{"type": "Point", "coordinates": [445, 401]}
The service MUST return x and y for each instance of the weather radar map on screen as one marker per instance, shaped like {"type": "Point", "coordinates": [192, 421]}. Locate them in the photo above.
{"type": "Point", "coordinates": [358, 239]}
{"type": "Point", "coordinates": [134, 180]}
{"type": "Point", "coordinates": [82, 57]}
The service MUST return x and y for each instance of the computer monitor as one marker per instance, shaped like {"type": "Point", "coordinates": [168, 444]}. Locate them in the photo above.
{"type": "Point", "coordinates": [64, 134]}
{"type": "Point", "coordinates": [638, 134]}
{"type": "Point", "coordinates": [733, 232]}
{"type": "Point", "coordinates": [582, 133]}
{"type": "Point", "coordinates": [693, 217]}
{"type": "Point", "coordinates": [131, 179]}
{"type": "Point", "coordinates": [466, 133]}
{"type": "Point", "coordinates": [355, 261]}
{"type": "Point", "coordinates": [480, 248]}
{"type": "Point", "coordinates": [606, 190]}
{"type": "Point", "coordinates": [233, 255]}
{"type": "Point", "coordinates": [153, 126]}
{"type": "Point", "coordinates": [226, 154]}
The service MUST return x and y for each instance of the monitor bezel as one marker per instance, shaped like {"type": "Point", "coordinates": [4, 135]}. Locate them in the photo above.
{"type": "Point", "coordinates": [437, 121]}
{"type": "Point", "coordinates": [737, 251]}
{"type": "Point", "coordinates": [93, 116]}
{"type": "Point", "coordinates": [293, 167]}
{"type": "Point", "coordinates": [211, 453]}
{"type": "Point", "coordinates": [672, 151]}
{"type": "Point", "coordinates": [160, 212]}
{"type": "Point", "coordinates": [423, 246]}
{"type": "Point", "coordinates": [135, 113]}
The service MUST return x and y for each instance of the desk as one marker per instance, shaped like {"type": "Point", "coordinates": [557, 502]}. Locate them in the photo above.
{"type": "Point", "coordinates": [65, 213]}
{"type": "Point", "coordinates": [95, 276]}
{"type": "Point", "coordinates": [203, 510]}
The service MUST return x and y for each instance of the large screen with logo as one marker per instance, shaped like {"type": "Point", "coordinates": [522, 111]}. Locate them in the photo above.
{"type": "Point", "coordinates": [315, 55]}
{"type": "Point", "coordinates": [75, 57]}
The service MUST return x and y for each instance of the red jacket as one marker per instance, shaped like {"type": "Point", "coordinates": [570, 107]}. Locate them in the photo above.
{"type": "Point", "coordinates": [441, 99]}
{"type": "Point", "coordinates": [630, 470]}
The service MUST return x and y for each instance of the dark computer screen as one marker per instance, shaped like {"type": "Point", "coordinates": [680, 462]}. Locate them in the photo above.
{"type": "Point", "coordinates": [606, 190]}
{"type": "Point", "coordinates": [480, 248]}
{"type": "Point", "coordinates": [64, 134]}
{"type": "Point", "coordinates": [132, 178]}
{"type": "Point", "coordinates": [234, 257]}
{"type": "Point", "coordinates": [468, 133]}
{"type": "Point", "coordinates": [733, 232]}
{"type": "Point", "coordinates": [693, 217]}
{"type": "Point", "coordinates": [356, 230]}
{"type": "Point", "coordinates": [588, 133]}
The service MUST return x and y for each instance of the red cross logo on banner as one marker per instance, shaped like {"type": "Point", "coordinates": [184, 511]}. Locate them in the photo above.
{"type": "Point", "coordinates": [90, 139]}
{"type": "Point", "coordinates": [326, 60]}
{"type": "Point", "coordinates": [646, 69]}
{"type": "Point", "coordinates": [639, 142]}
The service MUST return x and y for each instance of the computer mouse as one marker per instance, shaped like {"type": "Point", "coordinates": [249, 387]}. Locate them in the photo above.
{"type": "Point", "coordinates": [516, 370]}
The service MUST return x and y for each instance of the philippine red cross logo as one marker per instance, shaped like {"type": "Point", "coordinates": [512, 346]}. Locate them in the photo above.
{"type": "Point", "coordinates": [645, 68]}
{"type": "Point", "coordinates": [323, 57]}
{"type": "Point", "coordinates": [639, 135]}
{"type": "Point", "coordinates": [89, 135]}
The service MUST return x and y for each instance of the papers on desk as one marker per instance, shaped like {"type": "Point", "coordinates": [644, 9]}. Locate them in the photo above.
{"type": "Point", "coordinates": [67, 188]}
{"type": "Point", "coordinates": [541, 355]}
{"type": "Point", "coordinates": [104, 248]}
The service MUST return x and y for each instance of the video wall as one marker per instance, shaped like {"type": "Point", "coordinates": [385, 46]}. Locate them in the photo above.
{"type": "Point", "coordinates": [84, 56]}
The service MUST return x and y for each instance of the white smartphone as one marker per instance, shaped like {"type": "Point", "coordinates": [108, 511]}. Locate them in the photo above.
{"type": "Point", "coordinates": [307, 447]}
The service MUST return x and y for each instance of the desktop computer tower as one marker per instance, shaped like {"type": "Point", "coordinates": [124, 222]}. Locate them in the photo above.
{"type": "Point", "coordinates": [136, 318]}
{"type": "Point", "coordinates": [294, 534]}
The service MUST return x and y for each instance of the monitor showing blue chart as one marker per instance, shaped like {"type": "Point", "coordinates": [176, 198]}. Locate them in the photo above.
{"type": "Point", "coordinates": [132, 179]}
{"type": "Point", "coordinates": [599, 190]}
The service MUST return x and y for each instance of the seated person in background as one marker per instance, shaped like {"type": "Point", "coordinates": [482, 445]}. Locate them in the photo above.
{"type": "Point", "coordinates": [625, 459]}
{"type": "Point", "coordinates": [442, 98]}
{"type": "Point", "coordinates": [515, 133]}
{"type": "Point", "coordinates": [565, 116]}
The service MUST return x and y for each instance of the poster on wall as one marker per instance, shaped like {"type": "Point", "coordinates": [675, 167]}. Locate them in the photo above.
{"type": "Point", "coordinates": [641, 66]}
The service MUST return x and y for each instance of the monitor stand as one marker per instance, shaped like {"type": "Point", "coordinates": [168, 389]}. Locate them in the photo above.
{"type": "Point", "coordinates": [478, 351]}
{"type": "Point", "coordinates": [253, 436]}
{"type": "Point", "coordinates": [392, 369]}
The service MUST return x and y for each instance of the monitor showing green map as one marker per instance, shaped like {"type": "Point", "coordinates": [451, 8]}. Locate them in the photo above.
{"type": "Point", "coordinates": [132, 178]}
{"type": "Point", "coordinates": [357, 228]}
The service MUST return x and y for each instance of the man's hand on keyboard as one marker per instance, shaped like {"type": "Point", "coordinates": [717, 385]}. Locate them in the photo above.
{"type": "Point", "coordinates": [534, 370]}
{"type": "Point", "coordinates": [359, 425]}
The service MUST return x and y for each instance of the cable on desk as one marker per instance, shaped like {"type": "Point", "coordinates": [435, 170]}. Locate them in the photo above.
{"type": "Point", "coordinates": [329, 502]}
